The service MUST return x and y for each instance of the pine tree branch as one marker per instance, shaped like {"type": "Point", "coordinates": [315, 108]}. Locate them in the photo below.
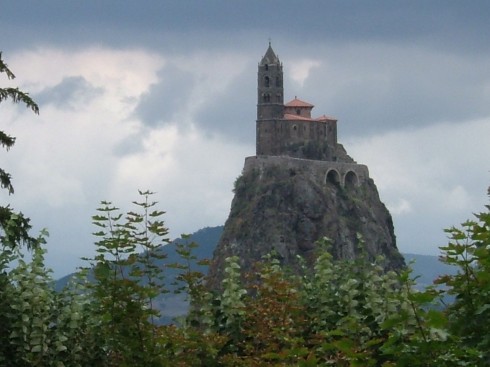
{"type": "Point", "coordinates": [5, 181]}
{"type": "Point", "coordinates": [18, 96]}
{"type": "Point", "coordinates": [4, 69]}
{"type": "Point", "coordinates": [6, 141]}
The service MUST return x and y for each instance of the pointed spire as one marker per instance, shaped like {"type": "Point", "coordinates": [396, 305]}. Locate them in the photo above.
{"type": "Point", "coordinates": [270, 57]}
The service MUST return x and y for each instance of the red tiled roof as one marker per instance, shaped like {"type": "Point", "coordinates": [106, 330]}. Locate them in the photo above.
{"type": "Point", "coordinates": [298, 103]}
{"type": "Point", "coordinates": [325, 118]}
{"type": "Point", "coordinates": [288, 116]}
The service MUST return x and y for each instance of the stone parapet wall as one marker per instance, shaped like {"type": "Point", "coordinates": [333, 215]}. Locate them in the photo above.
{"type": "Point", "coordinates": [320, 171]}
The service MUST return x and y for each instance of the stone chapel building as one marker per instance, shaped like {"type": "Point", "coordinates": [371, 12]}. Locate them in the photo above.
{"type": "Point", "coordinates": [289, 130]}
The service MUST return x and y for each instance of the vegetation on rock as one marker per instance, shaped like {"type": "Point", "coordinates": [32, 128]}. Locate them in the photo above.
{"type": "Point", "coordinates": [286, 209]}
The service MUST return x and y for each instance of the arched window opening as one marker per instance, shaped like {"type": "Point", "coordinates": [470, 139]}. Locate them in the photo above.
{"type": "Point", "coordinates": [333, 177]}
{"type": "Point", "coordinates": [351, 179]}
{"type": "Point", "coordinates": [266, 66]}
{"type": "Point", "coordinates": [278, 98]}
{"type": "Point", "coordinates": [278, 82]}
{"type": "Point", "coordinates": [267, 98]}
{"type": "Point", "coordinates": [267, 82]}
{"type": "Point", "coordinates": [298, 111]}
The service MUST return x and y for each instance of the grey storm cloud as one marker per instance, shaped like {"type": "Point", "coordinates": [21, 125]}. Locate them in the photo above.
{"type": "Point", "coordinates": [232, 111]}
{"type": "Point", "coordinates": [131, 145]}
{"type": "Point", "coordinates": [175, 24]}
{"type": "Point", "coordinates": [167, 98]}
{"type": "Point", "coordinates": [68, 92]}
{"type": "Point", "coordinates": [371, 89]}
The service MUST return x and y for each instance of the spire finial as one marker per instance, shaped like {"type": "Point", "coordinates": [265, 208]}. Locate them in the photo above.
{"type": "Point", "coordinates": [269, 41]}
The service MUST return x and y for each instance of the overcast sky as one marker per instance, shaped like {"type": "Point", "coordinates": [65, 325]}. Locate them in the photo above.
{"type": "Point", "coordinates": [161, 95]}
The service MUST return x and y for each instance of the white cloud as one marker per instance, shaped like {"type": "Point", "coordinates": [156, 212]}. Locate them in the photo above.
{"type": "Point", "coordinates": [400, 207]}
{"type": "Point", "coordinates": [192, 174]}
{"type": "Point", "coordinates": [299, 70]}
{"type": "Point", "coordinates": [65, 161]}
{"type": "Point", "coordinates": [123, 72]}
{"type": "Point", "coordinates": [430, 178]}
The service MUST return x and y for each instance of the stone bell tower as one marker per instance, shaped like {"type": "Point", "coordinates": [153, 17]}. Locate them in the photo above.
{"type": "Point", "coordinates": [270, 96]}
{"type": "Point", "coordinates": [270, 90]}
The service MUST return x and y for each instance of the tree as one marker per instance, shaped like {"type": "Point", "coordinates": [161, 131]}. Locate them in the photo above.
{"type": "Point", "coordinates": [469, 250]}
{"type": "Point", "coordinates": [14, 227]}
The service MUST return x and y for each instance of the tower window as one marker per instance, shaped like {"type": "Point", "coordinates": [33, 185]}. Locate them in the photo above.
{"type": "Point", "coordinates": [298, 111]}
{"type": "Point", "coordinates": [278, 82]}
{"type": "Point", "coordinates": [267, 98]}
{"type": "Point", "coordinates": [266, 66]}
{"type": "Point", "coordinates": [267, 81]}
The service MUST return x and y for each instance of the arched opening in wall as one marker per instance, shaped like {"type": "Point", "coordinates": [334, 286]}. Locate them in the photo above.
{"type": "Point", "coordinates": [267, 82]}
{"type": "Point", "coordinates": [351, 179]}
{"type": "Point", "coordinates": [278, 82]}
{"type": "Point", "coordinates": [333, 177]}
{"type": "Point", "coordinates": [293, 132]}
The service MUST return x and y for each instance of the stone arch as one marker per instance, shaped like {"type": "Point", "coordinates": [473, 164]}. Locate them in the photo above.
{"type": "Point", "coordinates": [267, 82]}
{"type": "Point", "coordinates": [332, 176]}
{"type": "Point", "coordinates": [351, 179]}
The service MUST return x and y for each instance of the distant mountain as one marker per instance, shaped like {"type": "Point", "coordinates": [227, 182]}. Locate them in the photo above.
{"type": "Point", "coordinates": [206, 238]}
{"type": "Point", "coordinates": [425, 267]}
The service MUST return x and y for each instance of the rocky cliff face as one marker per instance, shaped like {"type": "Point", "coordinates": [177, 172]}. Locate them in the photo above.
{"type": "Point", "coordinates": [286, 208]}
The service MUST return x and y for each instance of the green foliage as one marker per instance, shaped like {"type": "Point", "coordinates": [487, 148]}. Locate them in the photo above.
{"type": "Point", "coordinates": [340, 313]}
{"type": "Point", "coordinates": [469, 314]}
{"type": "Point", "coordinates": [34, 326]}
{"type": "Point", "coordinates": [14, 227]}
{"type": "Point", "coordinates": [344, 313]}
{"type": "Point", "coordinates": [16, 95]}
{"type": "Point", "coordinates": [127, 283]}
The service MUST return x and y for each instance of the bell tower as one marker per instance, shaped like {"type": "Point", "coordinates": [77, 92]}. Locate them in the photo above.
{"type": "Point", "coordinates": [270, 90]}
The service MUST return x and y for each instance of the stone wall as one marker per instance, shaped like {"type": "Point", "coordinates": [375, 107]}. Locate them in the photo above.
{"type": "Point", "coordinates": [321, 171]}
{"type": "Point", "coordinates": [285, 137]}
